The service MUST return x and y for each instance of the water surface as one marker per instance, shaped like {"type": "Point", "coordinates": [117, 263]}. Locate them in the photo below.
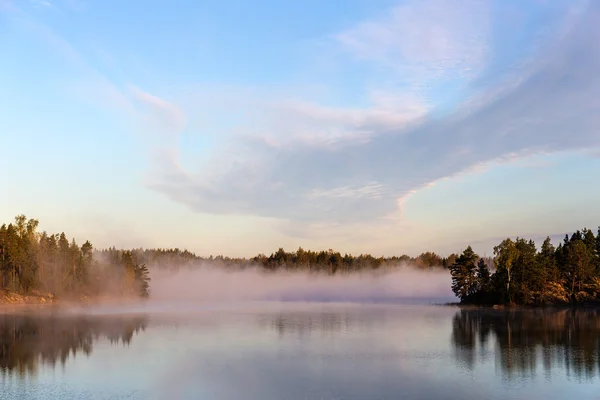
{"type": "Point", "coordinates": [299, 351]}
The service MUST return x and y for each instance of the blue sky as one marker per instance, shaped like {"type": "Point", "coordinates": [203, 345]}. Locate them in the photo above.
{"type": "Point", "coordinates": [238, 127]}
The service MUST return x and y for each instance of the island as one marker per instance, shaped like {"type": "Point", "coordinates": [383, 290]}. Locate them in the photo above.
{"type": "Point", "coordinates": [526, 276]}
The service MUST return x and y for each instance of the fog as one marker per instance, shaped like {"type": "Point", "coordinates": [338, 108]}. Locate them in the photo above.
{"type": "Point", "coordinates": [207, 283]}
{"type": "Point", "coordinates": [207, 287]}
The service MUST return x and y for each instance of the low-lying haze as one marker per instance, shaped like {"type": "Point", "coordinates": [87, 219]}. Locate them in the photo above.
{"type": "Point", "coordinates": [207, 283]}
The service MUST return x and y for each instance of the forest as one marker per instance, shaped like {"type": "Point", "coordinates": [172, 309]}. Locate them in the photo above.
{"type": "Point", "coordinates": [524, 275]}
{"type": "Point", "coordinates": [325, 261]}
{"type": "Point", "coordinates": [50, 264]}
{"type": "Point", "coordinates": [518, 273]}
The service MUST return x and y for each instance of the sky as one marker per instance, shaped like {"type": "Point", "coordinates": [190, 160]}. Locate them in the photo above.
{"type": "Point", "coordinates": [238, 127]}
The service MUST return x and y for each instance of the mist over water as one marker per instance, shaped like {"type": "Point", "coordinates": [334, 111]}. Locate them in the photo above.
{"type": "Point", "coordinates": [215, 333]}
{"type": "Point", "coordinates": [207, 287]}
{"type": "Point", "coordinates": [303, 351]}
{"type": "Point", "coordinates": [208, 283]}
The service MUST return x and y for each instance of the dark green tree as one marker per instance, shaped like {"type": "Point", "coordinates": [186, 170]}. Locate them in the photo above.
{"type": "Point", "coordinates": [529, 280]}
{"type": "Point", "coordinates": [463, 272]}
{"type": "Point", "coordinates": [483, 276]}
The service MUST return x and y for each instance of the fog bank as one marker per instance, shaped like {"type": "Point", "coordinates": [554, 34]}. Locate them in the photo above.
{"type": "Point", "coordinates": [207, 283]}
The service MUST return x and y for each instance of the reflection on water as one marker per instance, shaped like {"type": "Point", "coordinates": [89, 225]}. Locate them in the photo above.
{"type": "Point", "coordinates": [28, 340]}
{"type": "Point", "coordinates": [297, 352]}
{"type": "Point", "coordinates": [303, 324]}
{"type": "Point", "coordinates": [524, 340]}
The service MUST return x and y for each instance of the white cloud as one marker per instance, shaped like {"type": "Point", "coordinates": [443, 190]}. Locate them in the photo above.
{"type": "Point", "coordinates": [292, 122]}
{"type": "Point", "coordinates": [419, 44]}
{"type": "Point", "coordinates": [374, 190]}
{"type": "Point", "coordinates": [554, 108]}
{"type": "Point", "coordinates": [425, 40]}
{"type": "Point", "coordinates": [308, 161]}
{"type": "Point", "coordinates": [345, 172]}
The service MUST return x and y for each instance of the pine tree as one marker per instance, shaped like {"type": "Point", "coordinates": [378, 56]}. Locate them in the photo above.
{"type": "Point", "coordinates": [527, 271]}
{"type": "Point", "coordinates": [483, 276]}
{"type": "Point", "coordinates": [463, 271]}
{"type": "Point", "coordinates": [546, 260]}
{"type": "Point", "coordinates": [142, 278]}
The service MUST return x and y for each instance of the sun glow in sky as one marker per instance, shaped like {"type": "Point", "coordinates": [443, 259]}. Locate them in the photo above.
{"type": "Point", "coordinates": [238, 127]}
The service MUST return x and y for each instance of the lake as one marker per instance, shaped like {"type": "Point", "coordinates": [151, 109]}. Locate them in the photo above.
{"type": "Point", "coordinates": [260, 350]}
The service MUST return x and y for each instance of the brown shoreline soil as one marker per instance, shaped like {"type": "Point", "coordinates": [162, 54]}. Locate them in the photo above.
{"type": "Point", "coordinates": [11, 301]}
{"type": "Point", "coordinates": [521, 307]}
{"type": "Point", "coordinates": [37, 298]}
{"type": "Point", "coordinates": [34, 297]}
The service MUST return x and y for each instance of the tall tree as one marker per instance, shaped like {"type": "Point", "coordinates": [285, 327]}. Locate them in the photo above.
{"type": "Point", "coordinates": [142, 279]}
{"type": "Point", "coordinates": [483, 275]}
{"type": "Point", "coordinates": [527, 272]}
{"type": "Point", "coordinates": [463, 272]}
{"type": "Point", "coordinates": [546, 259]}
{"type": "Point", "coordinates": [505, 256]}
{"type": "Point", "coordinates": [579, 265]}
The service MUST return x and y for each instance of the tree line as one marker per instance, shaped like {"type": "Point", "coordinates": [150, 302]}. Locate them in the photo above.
{"type": "Point", "coordinates": [32, 261]}
{"type": "Point", "coordinates": [518, 273]}
{"type": "Point", "coordinates": [524, 275]}
{"type": "Point", "coordinates": [323, 261]}
{"type": "Point", "coordinates": [39, 262]}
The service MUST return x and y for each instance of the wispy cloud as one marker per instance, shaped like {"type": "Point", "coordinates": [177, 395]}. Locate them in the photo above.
{"type": "Point", "coordinates": [425, 42]}
{"type": "Point", "coordinates": [41, 3]}
{"type": "Point", "coordinates": [85, 81]}
{"type": "Point", "coordinates": [164, 116]}
{"type": "Point", "coordinates": [291, 122]}
{"type": "Point", "coordinates": [373, 190]}
{"type": "Point", "coordinates": [335, 167]}
{"type": "Point", "coordinates": [554, 108]}
{"type": "Point", "coordinates": [92, 85]}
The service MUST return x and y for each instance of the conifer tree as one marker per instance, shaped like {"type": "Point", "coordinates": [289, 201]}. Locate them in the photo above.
{"type": "Point", "coordinates": [463, 271]}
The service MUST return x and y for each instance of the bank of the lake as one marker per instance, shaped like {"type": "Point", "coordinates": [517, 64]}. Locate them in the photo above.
{"type": "Point", "coordinates": [35, 297]}
{"type": "Point", "coordinates": [524, 307]}
{"type": "Point", "coordinates": [38, 298]}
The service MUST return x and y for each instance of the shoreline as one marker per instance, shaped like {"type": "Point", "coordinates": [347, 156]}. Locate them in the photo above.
{"type": "Point", "coordinates": [34, 298]}
{"type": "Point", "coordinates": [10, 299]}
{"type": "Point", "coordinates": [504, 307]}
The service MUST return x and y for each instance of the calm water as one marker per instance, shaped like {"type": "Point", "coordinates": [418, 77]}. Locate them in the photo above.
{"type": "Point", "coordinates": [300, 351]}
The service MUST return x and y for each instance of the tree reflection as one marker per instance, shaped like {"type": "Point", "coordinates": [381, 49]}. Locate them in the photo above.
{"type": "Point", "coordinates": [28, 340]}
{"type": "Point", "coordinates": [305, 324]}
{"type": "Point", "coordinates": [322, 323]}
{"type": "Point", "coordinates": [522, 340]}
